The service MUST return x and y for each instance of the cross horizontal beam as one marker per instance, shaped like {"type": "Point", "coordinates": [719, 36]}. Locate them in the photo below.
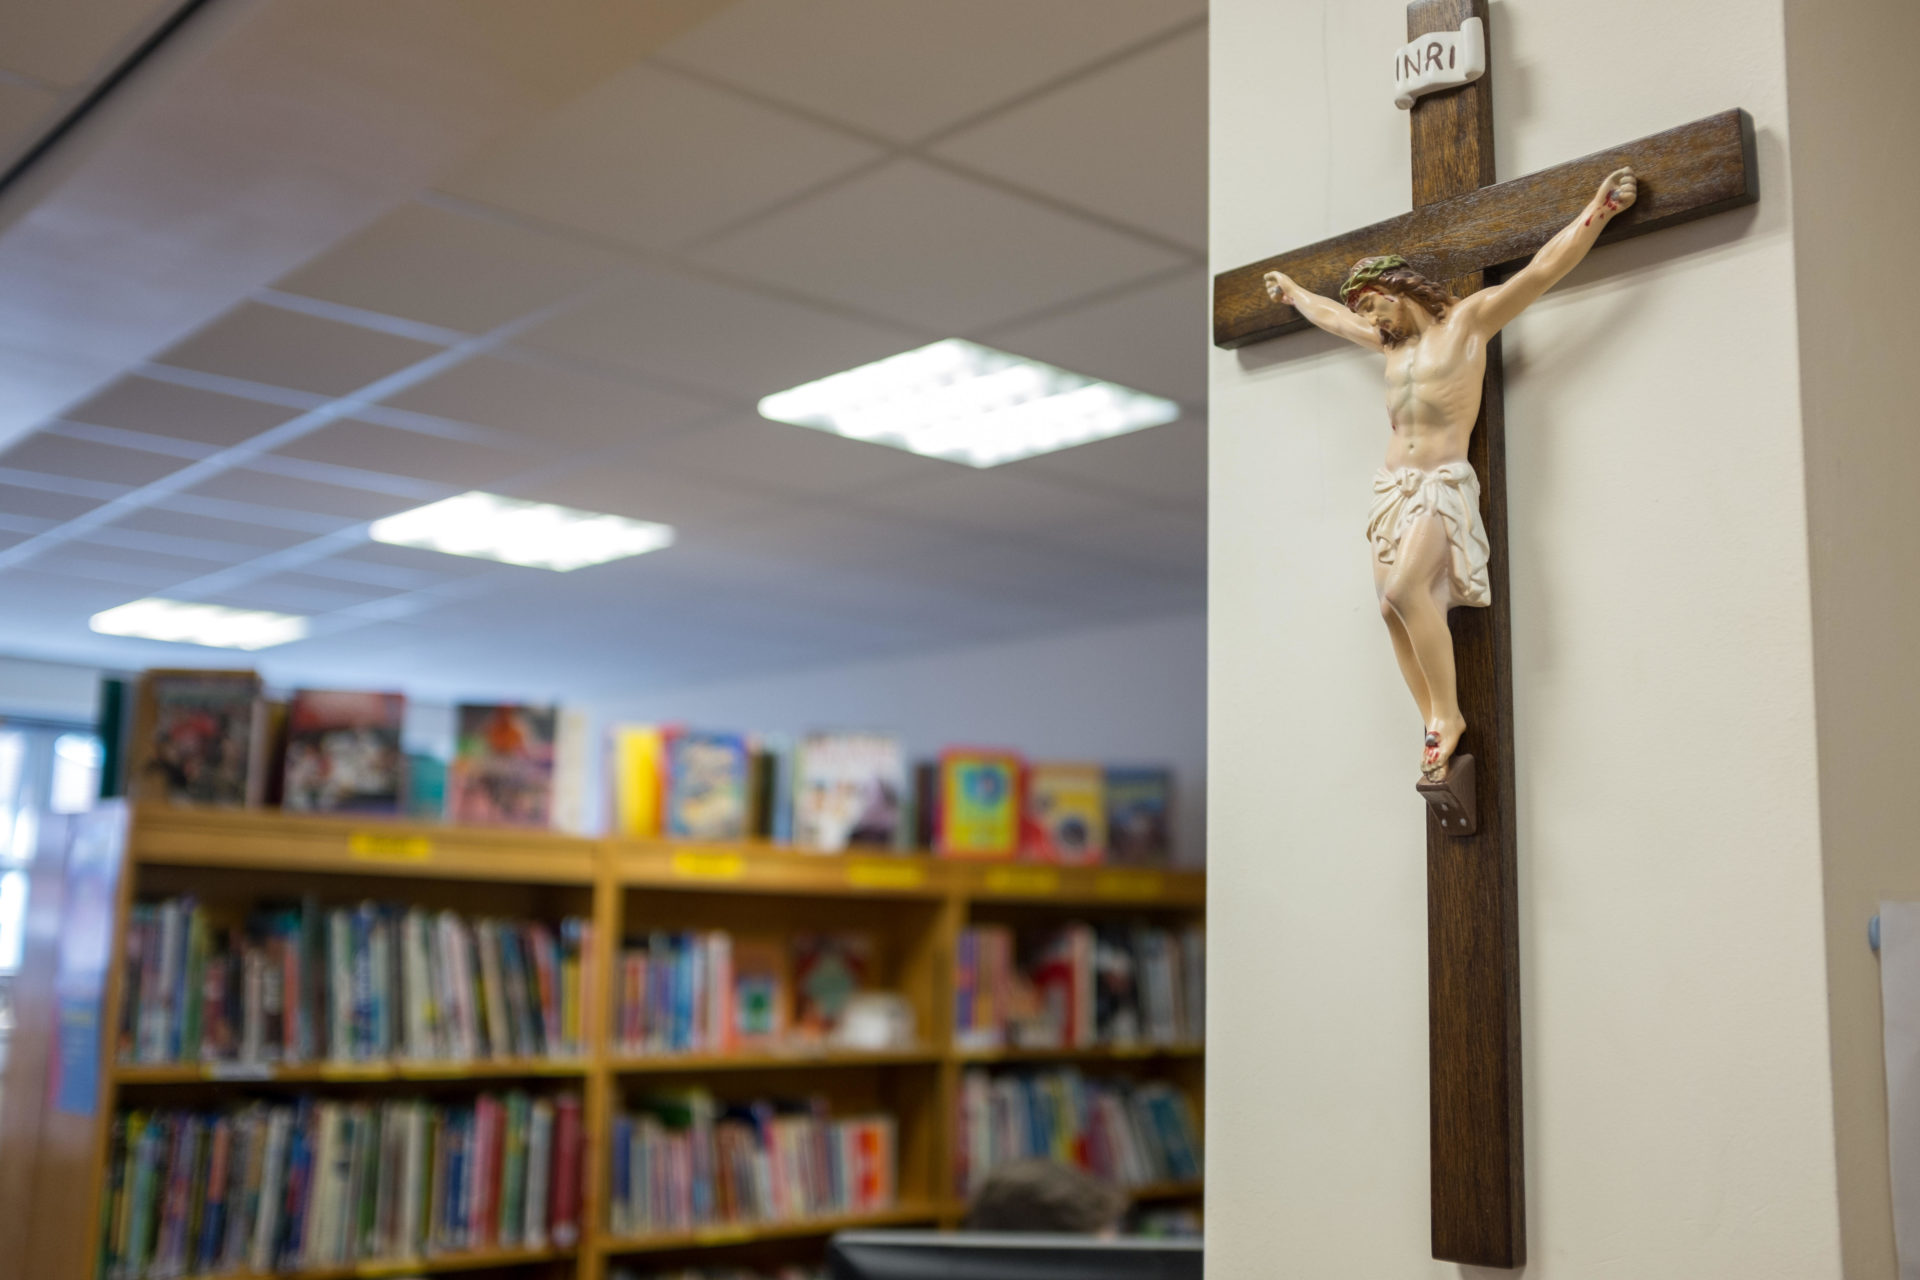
{"type": "Point", "coordinates": [1684, 173]}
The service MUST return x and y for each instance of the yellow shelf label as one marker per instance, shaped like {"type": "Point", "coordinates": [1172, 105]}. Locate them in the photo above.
{"type": "Point", "coordinates": [394, 1268]}
{"type": "Point", "coordinates": [709, 866]}
{"type": "Point", "coordinates": [373, 846]}
{"type": "Point", "coordinates": [722, 1235]}
{"type": "Point", "coordinates": [1025, 880]}
{"type": "Point", "coordinates": [885, 873]}
{"type": "Point", "coordinates": [1129, 884]}
{"type": "Point", "coordinates": [354, 1070]}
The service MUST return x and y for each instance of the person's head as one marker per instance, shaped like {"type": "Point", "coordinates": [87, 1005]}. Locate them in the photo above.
{"type": "Point", "coordinates": [1045, 1195]}
{"type": "Point", "coordinates": [1393, 297]}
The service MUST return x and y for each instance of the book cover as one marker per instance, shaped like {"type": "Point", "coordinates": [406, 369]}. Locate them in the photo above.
{"type": "Point", "coordinates": [426, 787]}
{"type": "Point", "coordinates": [979, 804]}
{"type": "Point", "coordinates": [828, 969]}
{"type": "Point", "coordinates": [1066, 814]}
{"type": "Point", "coordinates": [343, 751]}
{"type": "Point", "coordinates": [1138, 802]}
{"type": "Point", "coordinates": [634, 772]}
{"type": "Point", "coordinates": [707, 786]}
{"type": "Point", "coordinates": [849, 790]}
{"type": "Point", "coordinates": [193, 735]}
{"type": "Point", "coordinates": [502, 769]}
{"type": "Point", "coordinates": [762, 993]}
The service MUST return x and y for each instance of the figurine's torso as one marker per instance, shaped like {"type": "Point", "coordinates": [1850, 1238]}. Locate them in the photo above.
{"type": "Point", "coordinates": [1433, 395]}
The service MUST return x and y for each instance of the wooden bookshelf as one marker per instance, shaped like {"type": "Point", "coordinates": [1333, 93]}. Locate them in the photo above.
{"type": "Point", "coordinates": [915, 906]}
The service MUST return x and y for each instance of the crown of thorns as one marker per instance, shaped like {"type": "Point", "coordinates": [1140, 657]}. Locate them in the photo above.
{"type": "Point", "coordinates": [1366, 271]}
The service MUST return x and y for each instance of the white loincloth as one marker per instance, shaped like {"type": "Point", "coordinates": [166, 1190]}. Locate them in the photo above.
{"type": "Point", "coordinates": [1451, 492]}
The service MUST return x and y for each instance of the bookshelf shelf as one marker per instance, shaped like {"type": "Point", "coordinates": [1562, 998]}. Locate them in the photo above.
{"type": "Point", "coordinates": [684, 1063]}
{"type": "Point", "coordinates": [915, 907]}
{"type": "Point", "coordinates": [751, 1232]}
{"type": "Point", "coordinates": [1191, 1189]}
{"type": "Point", "coordinates": [444, 1263]}
{"type": "Point", "coordinates": [131, 1074]}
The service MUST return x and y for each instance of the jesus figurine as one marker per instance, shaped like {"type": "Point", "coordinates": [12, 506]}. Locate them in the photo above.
{"type": "Point", "coordinates": [1429, 545]}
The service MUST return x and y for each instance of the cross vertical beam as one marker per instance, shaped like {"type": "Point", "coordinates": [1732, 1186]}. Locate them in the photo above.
{"type": "Point", "coordinates": [1473, 918]}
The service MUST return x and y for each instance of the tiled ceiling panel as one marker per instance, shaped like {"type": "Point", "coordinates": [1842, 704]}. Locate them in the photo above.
{"type": "Point", "coordinates": [1152, 338]}
{"type": "Point", "coordinates": [332, 500]}
{"type": "Point", "coordinates": [81, 459]}
{"type": "Point", "coordinates": [285, 348]}
{"type": "Point", "coordinates": [919, 245]}
{"type": "Point", "coordinates": [1129, 140]}
{"type": "Point", "coordinates": [1173, 542]}
{"type": "Point", "coordinates": [186, 413]}
{"type": "Point", "coordinates": [36, 503]}
{"type": "Point", "coordinates": [640, 492]}
{"type": "Point", "coordinates": [665, 325]}
{"type": "Point", "coordinates": [656, 159]}
{"type": "Point", "coordinates": [145, 570]}
{"type": "Point", "coordinates": [350, 443]}
{"type": "Point", "coordinates": [157, 522]}
{"type": "Point", "coordinates": [447, 268]}
{"type": "Point", "coordinates": [1165, 465]}
{"type": "Point", "coordinates": [993, 500]}
{"type": "Point", "coordinates": [906, 68]}
{"type": "Point", "coordinates": [554, 409]}
{"type": "Point", "coordinates": [776, 458]}
{"type": "Point", "coordinates": [26, 112]}
{"type": "Point", "coordinates": [73, 42]}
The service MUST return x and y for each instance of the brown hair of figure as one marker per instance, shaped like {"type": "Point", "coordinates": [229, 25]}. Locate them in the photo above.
{"type": "Point", "coordinates": [1046, 1196]}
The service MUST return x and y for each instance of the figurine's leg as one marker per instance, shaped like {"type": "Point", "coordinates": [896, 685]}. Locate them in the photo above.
{"type": "Point", "coordinates": [1402, 645]}
{"type": "Point", "coordinates": [1419, 592]}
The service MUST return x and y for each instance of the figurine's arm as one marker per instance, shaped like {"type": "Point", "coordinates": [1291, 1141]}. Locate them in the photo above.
{"type": "Point", "coordinates": [1323, 313]}
{"type": "Point", "coordinates": [1492, 309]}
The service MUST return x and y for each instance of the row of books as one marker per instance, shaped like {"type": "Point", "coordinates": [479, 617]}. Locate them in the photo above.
{"type": "Point", "coordinates": [213, 737]}
{"type": "Point", "coordinates": [1080, 985]}
{"type": "Point", "coordinates": [683, 1161]}
{"type": "Point", "coordinates": [709, 991]}
{"type": "Point", "coordinates": [310, 1183]}
{"type": "Point", "coordinates": [834, 791]}
{"type": "Point", "coordinates": [299, 982]}
{"type": "Point", "coordinates": [1129, 1134]}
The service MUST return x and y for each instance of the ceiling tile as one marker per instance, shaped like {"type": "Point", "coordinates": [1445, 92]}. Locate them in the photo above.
{"type": "Point", "coordinates": [1129, 140]}
{"type": "Point", "coordinates": [1170, 541]}
{"type": "Point", "coordinates": [42, 504]}
{"type": "Point", "coordinates": [352, 443]}
{"type": "Point", "coordinates": [1153, 338]}
{"type": "Point", "coordinates": [26, 113]}
{"type": "Point", "coordinates": [145, 570]}
{"type": "Point", "coordinates": [256, 538]}
{"type": "Point", "coordinates": [288, 349]}
{"type": "Point", "coordinates": [905, 68]}
{"type": "Point", "coordinates": [558, 411]}
{"type": "Point", "coordinates": [641, 492]}
{"type": "Point", "coordinates": [445, 268]}
{"type": "Point", "coordinates": [656, 159]}
{"type": "Point", "coordinates": [994, 500]}
{"type": "Point", "coordinates": [56, 455]}
{"type": "Point", "coordinates": [298, 593]}
{"type": "Point", "coordinates": [924, 247]}
{"type": "Point", "coordinates": [262, 489]}
{"type": "Point", "coordinates": [185, 413]}
{"type": "Point", "coordinates": [777, 458]}
{"type": "Point", "coordinates": [737, 342]}
{"type": "Point", "coordinates": [404, 568]}
{"type": "Point", "coordinates": [73, 42]}
{"type": "Point", "coordinates": [1165, 465]}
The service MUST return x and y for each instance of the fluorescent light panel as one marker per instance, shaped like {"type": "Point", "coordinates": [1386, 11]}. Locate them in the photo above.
{"type": "Point", "coordinates": [512, 531]}
{"type": "Point", "coordinates": [968, 403]}
{"type": "Point", "coordinates": [184, 622]}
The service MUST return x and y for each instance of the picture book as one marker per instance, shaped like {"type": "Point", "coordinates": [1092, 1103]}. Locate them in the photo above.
{"type": "Point", "coordinates": [1066, 814]}
{"type": "Point", "coordinates": [1138, 801]}
{"type": "Point", "coordinates": [193, 734]}
{"type": "Point", "coordinates": [828, 970]}
{"type": "Point", "coordinates": [707, 785]}
{"type": "Point", "coordinates": [979, 804]}
{"type": "Point", "coordinates": [502, 770]}
{"type": "Point", "coordinates": [849, 792]}
{"type": "Point", "coordinates": [343, 752]}
{"type": "Point", "coordinates": [633, 772]}
{"type": "Point", "coordinates": [426, 786]}
{"type": "Point", "coordinates": [762, 994]}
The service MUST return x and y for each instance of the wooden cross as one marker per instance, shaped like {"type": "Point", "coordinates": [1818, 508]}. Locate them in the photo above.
{"type": "Point", "coordinates": [1463, 228]}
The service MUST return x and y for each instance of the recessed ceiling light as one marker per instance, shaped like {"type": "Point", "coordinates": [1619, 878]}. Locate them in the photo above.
{"type": "Point", "coordinates": [512, 531]}
{"type": "Point", "coordinates": [186, 623]}
{"type": "Point", "coordinates": [968, 403]}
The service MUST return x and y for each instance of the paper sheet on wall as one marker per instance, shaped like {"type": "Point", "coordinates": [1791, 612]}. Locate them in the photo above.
{"type": "Point", "coordinates": [1900, 1004]}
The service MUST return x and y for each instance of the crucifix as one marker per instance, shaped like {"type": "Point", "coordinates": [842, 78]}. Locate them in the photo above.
{"type": "Point", "coordinates": [1410, 287]}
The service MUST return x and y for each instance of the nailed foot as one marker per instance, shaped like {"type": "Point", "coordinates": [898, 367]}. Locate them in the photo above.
{"type": "Point", "coordinates": [1443, 735]}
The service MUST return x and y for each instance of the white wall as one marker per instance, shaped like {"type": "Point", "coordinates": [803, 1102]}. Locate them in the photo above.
{"type": "Point", "coordinates": [48, 690]}
{"type": "Point", "coordinates": [1679, 1106]}
{"type": "Point", "coordinates": [1856, 181]}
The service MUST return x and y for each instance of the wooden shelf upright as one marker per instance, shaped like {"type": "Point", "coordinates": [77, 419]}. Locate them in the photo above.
{"type": "Point", "coordinates": [915, 907]}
